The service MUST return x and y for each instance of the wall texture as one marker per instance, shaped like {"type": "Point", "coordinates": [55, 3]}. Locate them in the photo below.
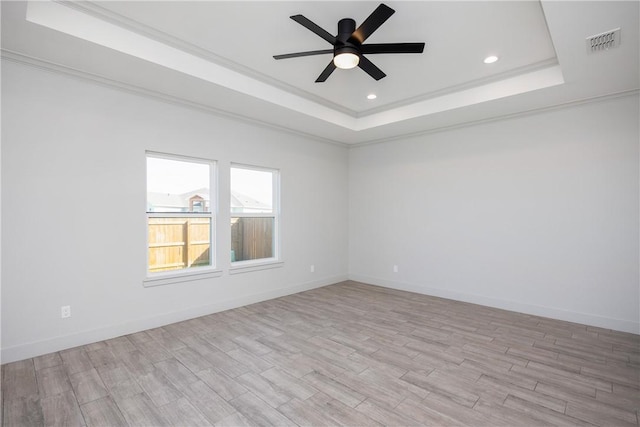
{"type": "Point", "coordinates": [73, 211]}
{"type": "Point", "coordinates": [537, 214]}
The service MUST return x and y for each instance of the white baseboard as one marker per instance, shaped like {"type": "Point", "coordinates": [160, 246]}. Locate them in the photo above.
{"type": "Point", "coordinates": [33, 349]}
{"type": "Point", "coordinates": [536, 310]}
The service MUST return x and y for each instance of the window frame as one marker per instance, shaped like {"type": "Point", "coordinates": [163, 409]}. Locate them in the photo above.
{"type": "Point", "coordinates": [261, 263]}
{"type": "Point", "coordinates": [186, 274]}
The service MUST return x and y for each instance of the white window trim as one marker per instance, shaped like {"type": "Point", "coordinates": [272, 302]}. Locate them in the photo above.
{"type": "Point", "coordinates": [187, 274]}
{"type": "Point", "coordinates": [245, 266]}
{"type": "Point", "coordinates": [239, 267]}
{"type": "Point", "coordinates": [160, 279]}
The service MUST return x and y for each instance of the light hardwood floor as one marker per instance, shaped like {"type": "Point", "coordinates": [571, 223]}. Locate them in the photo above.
{"type": "Point", "coordinates": [347, 354]}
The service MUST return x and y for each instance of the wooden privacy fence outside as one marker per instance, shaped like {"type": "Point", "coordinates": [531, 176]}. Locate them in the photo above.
{"type": "Point", "coordinates": [177, 243]}
{"type": "Point", "coordinates": [251, 238]}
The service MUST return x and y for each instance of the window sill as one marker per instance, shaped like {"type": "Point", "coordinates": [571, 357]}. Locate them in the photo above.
{"type": "Point", "coordinates": [168, 279]}
{"type": "Point", "coordinates": [246, 268]}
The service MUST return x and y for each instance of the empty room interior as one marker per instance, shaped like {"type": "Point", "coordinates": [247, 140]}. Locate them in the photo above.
{"type": "Point", "coordinates": [320, 213]}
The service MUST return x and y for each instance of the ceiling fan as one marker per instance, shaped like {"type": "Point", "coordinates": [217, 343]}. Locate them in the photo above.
{"type": "Point", "coordinates": [348, 48]}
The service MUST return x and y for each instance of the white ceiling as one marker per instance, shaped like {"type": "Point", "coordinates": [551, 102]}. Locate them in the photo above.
{"type": "Point", "coordinates": [218, 56]}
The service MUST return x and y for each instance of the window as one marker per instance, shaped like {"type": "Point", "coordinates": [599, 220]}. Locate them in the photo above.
{"type": "Point", "coordinates": [254, 215]}
{"type": "Point", "coordinates": [180, 215]}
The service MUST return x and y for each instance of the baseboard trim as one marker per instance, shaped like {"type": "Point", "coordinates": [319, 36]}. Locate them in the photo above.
{"type": "Point", "coordinates": [37, 348]}
{"type": "Point", "coordinates": [536, 310]}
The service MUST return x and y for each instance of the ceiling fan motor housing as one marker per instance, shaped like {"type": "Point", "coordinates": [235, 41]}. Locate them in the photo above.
{"type": "Point", "coordinates": [346, 27]}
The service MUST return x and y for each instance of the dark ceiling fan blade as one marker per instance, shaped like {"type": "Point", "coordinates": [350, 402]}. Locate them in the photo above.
{"type": "Point", "coordinates": [370, 69]}
{"type": "Point", "coordinates": [392, 48]}
{"type": "Point", "coordinates": [377, 18]}
{"type": "Point", "coordinates": [299, 54]}
{"type": "Point", "coordinates": [314, 28]}
{"type": "Point", "coordinates": [326, 72]}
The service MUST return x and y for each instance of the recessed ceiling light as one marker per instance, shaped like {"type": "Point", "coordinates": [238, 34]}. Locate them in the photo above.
{"type": "Point", "coordinates": [490, 59]}
{"type": "Point", "coordinates": [372, 96]}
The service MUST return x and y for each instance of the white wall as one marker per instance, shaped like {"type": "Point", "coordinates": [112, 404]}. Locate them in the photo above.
{"type": "Point", "coordinates": [73, 220]}
{"type": "Point", "coordinates": [537, 214]}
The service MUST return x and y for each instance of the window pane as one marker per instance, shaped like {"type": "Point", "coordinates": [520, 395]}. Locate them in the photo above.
{"type": "Point", "coordinates": [177, 186]}
{"type": "Point", "coordinates": [251, 191]}
{"type": "Point", "coordinates": [251, 238]}
{"type": "Point", "coordinates": [179, 243]}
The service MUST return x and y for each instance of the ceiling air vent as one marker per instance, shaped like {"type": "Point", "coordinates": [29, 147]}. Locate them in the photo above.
{"type": "Point", "coordinates": [603, 41]}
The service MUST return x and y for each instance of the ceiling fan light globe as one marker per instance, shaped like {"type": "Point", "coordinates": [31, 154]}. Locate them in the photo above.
{"type": "Point", "coordinates": [346, 60]}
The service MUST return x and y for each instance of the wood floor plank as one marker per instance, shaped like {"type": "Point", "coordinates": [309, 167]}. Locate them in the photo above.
{"type": "Point", "coordinates": [226, 387]}
{"type": "Point", "coordinates": [256, 364]}
{"type": "Point", "coordinates": [214, 409]}
{"type": "Point", "coordinates": [103, 413]}
{"type": "Point", "coordinates": [52, 381]}
{"type": "Point", "coordinates": [462, 415]}
{"type": "Point", "coordinates": [119, 382]}
{"type": "Point", "coordinates": [120, 345]}
{"type": "Point", "coordinates": [258, 412]}
{"type": "Point", "coordinates": [334, 389]}
{"type": "Point", "coordinates": [507, 417]}
{"type": "Point", "coordinates": [47, 361]}
{"type": "Point", "coordinates": [176, 372]}
{"type": "Point", "coordinates": [393, 384]}
{"type": "Point", "coordinates": [165, 339]}
{"type": "Point", "coordinates": [627, 402]}
{"type": "Point", "coordinates": [602, 413]}
{"type": "Point", "coordinates": [19, 380]}
{"type": "Point", "coordinates": [62, 410]}
{"type": "Point", "coordinates": [181, 412]}
{"type": "Point", "coordinates": [383, 415]}
{"type": "Point", "coordinates": [23, 411]}
{"type": "Point", "coordinates": [289, 363]}
{"type": "Point", "coordinates": [265, 390]}
{"type": "Point", "coordinates": [76, 360]}
{"type": "Point", "coordinates": [362, 346]}
{"type": "Point", "coordinates": [289, 384]}
{"type": "Point", "coordinates": [191, 359]}
{"type": "Point", "coordinates": [103, 357]}
{"type": "Point", "coordinates": [139, 337]}
{"type": "Point", "coordinates": [340, 413]}
{"type": "Point", "coordinates": [305, 414]}
{"type": "Point", "coordinates": [136, 363]}
{"type": "Point", "coordinates": [153, 351]}
{"type": "Point", "coordinates": [226, 364]}
{"type": "Point", "coordinates": [251, 345]}
{"type": "Point", "coordinates": [88, 386]}
{"type": "Point", "coordinates": [159, 389]}
{"type": "Point", "coordinates": [386, 397]}
{"type": "Point", "coordinates": [445, 385]}
{"type": "Point", "coordinates": [236, 419]}
{"type": "Point", "coordinates": [139, 410]}
{"type": "Point", "coordinates": [541, 413]}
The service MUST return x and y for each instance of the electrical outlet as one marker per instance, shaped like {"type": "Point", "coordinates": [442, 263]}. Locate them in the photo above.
{"type": "Point", "coordinates": [312, 268]}
{"type": "Point", "coordinates": [65, 311]}
{"type": "Point", "coordinates": [395, 268]}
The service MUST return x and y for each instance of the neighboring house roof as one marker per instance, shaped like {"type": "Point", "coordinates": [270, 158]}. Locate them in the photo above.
{"type": "Point", "coordinates": [239, 200]}
{"type": "Point", "coordinates": [168, 200]}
